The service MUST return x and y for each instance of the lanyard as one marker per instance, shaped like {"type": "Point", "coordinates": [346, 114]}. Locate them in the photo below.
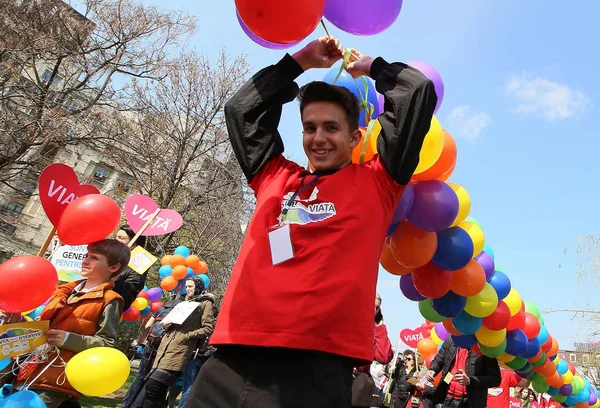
{"type": "Point", "coordinates": [292, 199]}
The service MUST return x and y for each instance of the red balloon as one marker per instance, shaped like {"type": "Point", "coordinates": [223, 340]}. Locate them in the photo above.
{"type": "Point", "coordinates": [532, 326]}
{"type": "Point", "coordinates": [27, 282]}
{"type": "Point", "coordinates": [429, 360]}
{"type": "Point", "coordinates": [572, 368]}
{"type": "Point", "coordinates": [143, 294]}
{"type": "Point", "coordinates": [517, 321]}
{"type": "Point", "coordinates": [499, 319]}
{"type": "Point", "coordinates": [281, 22]}
{"type": "Point", "coordinates": [477, 350]}
{"type": "Point", "coordinates": [431, 281]}
{"type": "Point", "coordinates": [547, 346]}
{"type": "Point", "coordinates": [89, 219]}
{"type": "Point", "coordinates": [154, 306]}
{"type": "Point", "coordinates": [131, 315]}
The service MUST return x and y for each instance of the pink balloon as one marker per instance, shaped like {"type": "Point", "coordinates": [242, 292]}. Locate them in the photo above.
{"type": "Point", "coordinates": [260, 41]}
{"type": "Point", "coordinates": [434, 76]}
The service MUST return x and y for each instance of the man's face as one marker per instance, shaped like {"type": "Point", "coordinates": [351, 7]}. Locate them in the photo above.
{"type": "Point", "coordinates": [190, 287]}
{"type": "Point", "coordinates": [327, 138]}
{"type": "Point", "coordinates": [95, 266]}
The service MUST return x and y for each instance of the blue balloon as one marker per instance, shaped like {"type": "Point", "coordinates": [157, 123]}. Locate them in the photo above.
{"type": "Point", "coordinates": [465, 342]}
{"type": "Point", "coordinates": [543, 335]}
{"type": "Point", "coordinates": [562, 367]}
{"type": "Point", "coordinates": [586, 384]}
{"type": "Point", "coordinates": [190, 273]}
{"type": "Point", "coordinates": [466, 324]}
{"type": "Point", "coordinates": [572, 400]}
{"type": "Point", "coordinates": [206, 279]}
{"type": "Point", "coordinates": [146, 311]}
{"type": "Point", "coordinates": [391, 229]}
{"type": "Point", "coordinates": [516, 342]}
{"type": "Point", "coordinates": [24, 399]}
{"type": "Point", "coordinates": [5, 363]}
{"type": "Point", "coordinates": [449, 305]}
{"type": "Point", "coordinates": [489, 250]}
{"type": "Point", "coordinates": [532, 349]}
{"type": "Point", "coordinates": [164, 271]}
{"type": "Point", "coordinates": [454, 249]}
{"type": "Point", "coordinates": [131, 323]}
{"type": "Point", "coordinates": [501, 284]}
{"type": "Point", "coordinates": [183, 291]}
{"type": "Point", "coordinates": [346, 80]}
{"type": "Point", "coordinates": [182, 250]}
{"type": "Point", "coordinates": [36, 312]}
{"type": "Point", "coordinates": [146, 288]}
{"type": "Point", "coordinates": [584, 395]}
{"type": "Point", "coordinates": [552, 391]}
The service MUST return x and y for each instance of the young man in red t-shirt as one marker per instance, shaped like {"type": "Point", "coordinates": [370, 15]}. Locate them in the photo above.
{"type": "Point", "coordinates": [499, 397]}
{"type": "Point", "coordinates": [298, 312]}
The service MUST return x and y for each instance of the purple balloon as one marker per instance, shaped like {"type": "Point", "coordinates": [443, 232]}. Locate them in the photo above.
{"type": "Point", "coordinates": [526, 374]}
{"type": "Point", "coordinates": [487, 263]}
{"type": "Point", "coordinates": [352, 17]}
{"type": "Point", "coordinates": [259, 40]}
{"type": "Point", "coordinates": [408, 288]}
{"type": "Point", "coordinates": [404, 204]}
{"type": "Point", "coordinates": [380, 102]}
{"type": "Point", "coordinates": [566, 390]}
{"type": "Point", "coordinates": [441, 331]}
{"type": "Point", "coordinates": [434, 76]}
{"type": "Point", "coordinates": [435, 206]}
{"type": "Point", "coordinates": [593, 398]}
{"type": "Point", "coordinates": [154, 294]}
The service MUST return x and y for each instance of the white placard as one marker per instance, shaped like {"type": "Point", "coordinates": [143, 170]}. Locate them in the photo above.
{"type": "Point", "coordinates": [180, 313]}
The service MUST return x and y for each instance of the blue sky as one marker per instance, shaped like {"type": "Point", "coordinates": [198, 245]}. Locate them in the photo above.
{"type": "Point", "coordinates": [521, 95]}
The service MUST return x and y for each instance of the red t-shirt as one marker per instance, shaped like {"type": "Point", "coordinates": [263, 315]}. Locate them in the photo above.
{"type": "Point", "coordinates": [499, 397]}
{"type": "Point", "coordinates": [323, 298]}
{"type": "Point", "coordinates": [456, 390]}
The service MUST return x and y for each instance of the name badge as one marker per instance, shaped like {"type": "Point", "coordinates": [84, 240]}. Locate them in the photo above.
{"type": "Point", "coordinates": [280, 241]}
{"type": "Point", "coordinates": [448, 378]}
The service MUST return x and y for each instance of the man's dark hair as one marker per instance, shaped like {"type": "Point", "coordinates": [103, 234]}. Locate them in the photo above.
{"type": "Point", "coordinates": [318, 91]}
{"type": "Point", "coordinates": [115, 252]}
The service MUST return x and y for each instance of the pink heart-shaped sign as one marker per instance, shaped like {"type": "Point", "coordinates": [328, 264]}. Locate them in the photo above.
{"type": "Point", "coordinates": [411, 337]}
{"type": "Point", "coordinates": [139, 208]}
{"type": "Point", "coordinates": [59, 187]}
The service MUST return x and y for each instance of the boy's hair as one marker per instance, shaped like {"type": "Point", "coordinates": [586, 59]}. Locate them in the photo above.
{"type": "Point", "coordinates": [114, 251]}
{"type": "Point", "coordinates": [141, 241]}
{"type": "Point", "coordinates": [318, 91]}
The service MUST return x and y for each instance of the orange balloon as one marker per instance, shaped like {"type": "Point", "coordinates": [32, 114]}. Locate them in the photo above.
{"type": "Point", "coordinates": [168, 283]}
{"type": "Point", "coordinates": [389, 263]}
{"type": "Point", "coordinates": [429, 360]}
{"type": "Point", "coordinates": [192, 261]}
{"type": "Point", "coordinates": [554, 348]}
{"type": "Point", "coordinates": [202, 268]}
{"type": "Point", "coordinates": [426, 347]}
{"type": "Point", "coordinates": [180, 272]}
{"type": "Point", "coordinates": [437, 379]}
{"type": "Point", "coordinates": [450, 328]}
{"type": "Point", "coordinates": [176, 259]}
{"type": "Point", "coordinates": [447, 174]}
{"type": "Point", "coordinates": [582, 405]}
{"type": "Point", "coordinates": [556, 380]}
{"type": "Point", "coordinates": [357, 151]}
{"type": "Point", "coordinates": [536, 357]}
{"type": "Point", "coordinates": [548, 369]}
{"type": "Point", "coordinates": [411, 246]}
{"type": "Point", "coordinates": [468, 281]}
{"type": "Point", "coordinates": [165, 260]}
{"type": "Point", "coordinates": [445, 162]}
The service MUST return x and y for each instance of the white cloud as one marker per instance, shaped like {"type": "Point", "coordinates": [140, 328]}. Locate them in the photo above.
{"type": "Point", "coordinates": [539, 96]}
{"type": "Point", "coordinates": [466, 124]}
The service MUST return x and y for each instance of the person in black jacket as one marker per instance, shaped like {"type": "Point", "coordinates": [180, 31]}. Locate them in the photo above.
{"type": "Point", "coordinates": [466, 377]}
{"type": "Point", "coordinates": [129, 283]}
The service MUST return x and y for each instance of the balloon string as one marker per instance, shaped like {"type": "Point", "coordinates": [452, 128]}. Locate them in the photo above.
{"type": "Point", "coordinates": [347, 55]}
{"type": "Point", "coordinates": [366, 142]}
{"type": "Point", "coordinates": [325, 28]}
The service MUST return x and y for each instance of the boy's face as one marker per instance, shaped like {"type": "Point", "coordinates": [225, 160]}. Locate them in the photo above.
{"type": "Point", "coordinates": [95, 266]}
{"type": "Point", "coordinates": [327, 138]}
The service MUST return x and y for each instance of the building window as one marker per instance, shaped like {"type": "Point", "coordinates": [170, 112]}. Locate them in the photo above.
{"type": "Point", "coordinates": [124, 186]}
{"type": "Point", "coordinates": [573, 358]}
{"type": "Point", "coordinates": [47, 75]}
{"type": "Point", "coordinates": [101, 174]}
{"type": "Point", "coordinates": [27, 188]}
{"type": "Point", "coordinates": [586, 358]}
{"type": "Point", "coordinates": [15, 207]}
{"type": "Point", "coordinates": [6, 227]}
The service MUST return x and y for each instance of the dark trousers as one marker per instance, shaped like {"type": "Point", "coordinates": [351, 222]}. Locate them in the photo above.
{"type": "Point", "coordinates": [252, 377]}
{"type": "Point", "coordinates": [135, 395]}
{"type": "Point", "coordinates": [456, 403]}
{"type": "Point", "coordinates": [157, 387]}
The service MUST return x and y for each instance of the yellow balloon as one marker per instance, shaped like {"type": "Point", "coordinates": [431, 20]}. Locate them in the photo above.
{"type": "Point", "coordinates": [140, 303]}
{"type": "Point", "coordinates": [27, 312]}
{"type": "Point", "coordinates": [513, 301]}
{"type": "Point", "coordinates": [98, 371]}
{"type": "Point", "coordinates": [490, 338]}
{"type": "Point", "coordinates": [503, 365]}
{"type": "Point", "coordinates": [568, 377]}
{"type": "Point", "coordinates": [506, 358]}
{"type": "Point", "coordinates": [432, 146]}
{"type": "Point", "coordinates": [476, 234]}
{"type": "Point", "coordinates": [436, 339]}
{"type": "Point", "coordinates": [28, 319]}
{"type": "Point", "coordinates": [374, 135]}
{"type": "Point", "coordinates": [464, 204]}
{"type": "Point", "coordinates": [483, 304]}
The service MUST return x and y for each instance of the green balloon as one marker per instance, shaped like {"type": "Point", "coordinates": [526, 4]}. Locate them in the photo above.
{"type": "Point", "coordinates": [474, 221]}
{"type": "Point", "coordinates": [542, 322]}
{"type": "Point", "coordinates": [426, 309]}
{"type": "Point", "coordinates": [559, 398]}
{"type": "Point", "coordinates": [540, 361]}
{"type": "Point", "coordinates": [517, 363]}
{"type": "Point", "coordinates": [493, 352]}
{"type": "Point", "coordinates": [540, 387]}
{"type": "Point", "coordinates": [577, 386]}
{"type": "Point", "coordinates": [532, 308]}
{"type": "Point", "coordinates": [537, 377]}
{"type": "Point", "coordinates": [499, 268]}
